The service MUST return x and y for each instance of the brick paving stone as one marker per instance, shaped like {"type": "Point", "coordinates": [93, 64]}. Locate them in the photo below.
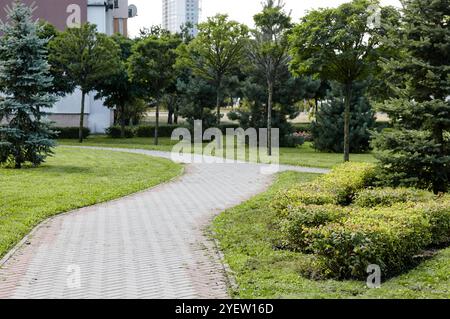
{"type": "Point", "coordinates": [147, 245]}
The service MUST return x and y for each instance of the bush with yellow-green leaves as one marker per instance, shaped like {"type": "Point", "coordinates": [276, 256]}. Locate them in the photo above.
{"type": "Point", "coordinates": [348, 226]}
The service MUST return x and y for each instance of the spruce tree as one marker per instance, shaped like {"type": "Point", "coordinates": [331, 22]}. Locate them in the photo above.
{"type": "Point", "coordinates": [417, 150]}
{"type": "Point", "coordinates": [24, 84]}
{"type": "Point", "coordinates": [329, 122]}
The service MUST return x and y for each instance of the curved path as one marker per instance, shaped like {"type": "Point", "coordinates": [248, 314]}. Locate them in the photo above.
{"type": "Point", "coordinates": [148, 245]}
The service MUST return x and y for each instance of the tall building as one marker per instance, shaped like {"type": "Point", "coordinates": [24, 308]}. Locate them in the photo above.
{"type": "Point", "coordinates": [177, 13]}
{"type": "Point", "coordinates": [110, 16]}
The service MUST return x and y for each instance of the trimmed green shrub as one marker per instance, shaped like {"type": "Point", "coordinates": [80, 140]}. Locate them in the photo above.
{"type": "Point", "coordinates": [305, 216]}
{"type": "Point", "coordinates": [116, 132]}
{"type": "Point", "coordinates": [70, 132]}
{"type": "Point", "coordinates": [386, 237]}
{"type": "Point", "coordinates": [149, 130]}
{"type": "Point", "coordinates": [294, 140]}
{"type": "Point", "coordinates": [438, 214]}
{"type": "Point", "coordinates": [305, 194]}
{"type": "Point", "coordinates": [337, 187]}
{"type": "Point", "coordinates": [347, 179]}
{"type": "Point", "coordinates": [373, 197]}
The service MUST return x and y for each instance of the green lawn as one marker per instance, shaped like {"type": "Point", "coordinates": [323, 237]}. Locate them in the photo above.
{"type": "Point", "coordinates": [301, 156]}
{"type": "Point", "coordinates": [73, 178]}
{"type": "Point", "coordinates": [261, 271]}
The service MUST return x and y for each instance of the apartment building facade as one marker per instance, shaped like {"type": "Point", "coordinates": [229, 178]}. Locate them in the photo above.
{"type": "Point", "coordinates": [110, 16]}
{"type": "Point", "coordinates": [177, 13]}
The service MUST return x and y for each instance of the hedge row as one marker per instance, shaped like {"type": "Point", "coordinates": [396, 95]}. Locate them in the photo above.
{"type": "Point", "coordinates": [373, 197]}
{"type": "Point", "coordinates": [387, 227]}
{"type": "Point", "coordinates": [149, 130]}
{"type": "Point", "coordinates": [387, 238]}
{"type": "Point", "coordinates": [337, 187]}
{"type": "Point", "coordinates": [70, 132]}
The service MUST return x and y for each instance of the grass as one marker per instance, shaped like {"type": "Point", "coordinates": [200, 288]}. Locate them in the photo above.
{"type": "Point", "coordinates": [261, 271]}
{"type": "Point", "coordinates": [72, 179]}
{"type": "Point", "coordinates": [304, 155]}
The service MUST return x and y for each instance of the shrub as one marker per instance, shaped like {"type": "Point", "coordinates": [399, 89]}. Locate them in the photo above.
{"type": "Point", "coordinates": [438, 214]}
{"type": "Point", "coordinates": [305, 194]}
{"type": "Point", "coordinates": [337, 187]}
{"type": "Point", "coordinates": [71, 132]}
{"type": "Point", "coordinates": [373, 197]}
{"type": "Point", "coordinates": [294, 140]}
{"type": "Point", "coordinates": [386, 237]}
{"type": "Point", "coordinates": [347, 179]}
{"type": "Point", "coordinates": [305, 216]}
{"type": "Point", "coordinates": [149, 130]}
{"type": "Point", "coordinates": [116, 132]}
{"type": "Point", "coordinates": [302, 127]}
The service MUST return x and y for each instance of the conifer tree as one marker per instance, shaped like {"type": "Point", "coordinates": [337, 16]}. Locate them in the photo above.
{"type": "Point", "coordinates": [329, 123]}
{"type": "Point", "coordinates": [417, 150]}
{"type": "Point", "coordinates": [25, 84]}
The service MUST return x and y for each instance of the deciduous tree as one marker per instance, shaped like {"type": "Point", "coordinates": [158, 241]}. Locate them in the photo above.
{"type": "Point", "coordinates": [87, 57]}
{"type": "Point", "coordinates": [217, 49]}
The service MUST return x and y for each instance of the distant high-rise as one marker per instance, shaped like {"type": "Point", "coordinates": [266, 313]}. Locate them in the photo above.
{"type": "Point", "coordinates": [177, 13]}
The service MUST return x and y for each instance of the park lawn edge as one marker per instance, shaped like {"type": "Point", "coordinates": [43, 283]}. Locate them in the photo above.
{"type": "Point", "coordinates": [256, 270]}
{"type": "Point", "coordinates": [5, 254]}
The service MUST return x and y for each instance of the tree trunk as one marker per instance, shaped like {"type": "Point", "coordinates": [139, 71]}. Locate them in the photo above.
{"type": "Point", "coordinates": [269, 118]}
{"type": "Point", "coordinates": [175, 115]}
{"type": "Point", "coordinates": [18, 162]}
{"type": "Point", "coordinates": [157, 124]}
{"type": "Point", "coordinates": [348, 97]}
{"type": "Point", "coordinates": [170, 116]}
{"type": "Point", "coordinates": [122, 123]}
{"type": "Point", "coordinates": [80, 132]}
{"type": "Point", "coordinates": [219, 85]}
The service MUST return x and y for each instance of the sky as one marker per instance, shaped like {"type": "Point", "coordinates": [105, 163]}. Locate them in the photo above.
{"type": "Point", "coordinates": [150, 11]}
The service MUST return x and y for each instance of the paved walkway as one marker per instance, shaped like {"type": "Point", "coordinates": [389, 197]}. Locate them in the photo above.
{"type": "Point", "coordinates": [148, 245]}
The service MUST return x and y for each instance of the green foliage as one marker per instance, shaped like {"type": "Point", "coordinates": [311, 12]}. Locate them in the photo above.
{"type": "Point", "coordinates": [386, 227]}
{"type": "Point", "coordinates": [372, 197]}
{"type": "Point", "coordinates": [293, 226]}
{"type": "Point", "coordinates": [87, 58]}
{"type": "Point", "coordinates": [347, 179]}
{"type": "Point", "coordinates": [438, 213]}
{"type": "Point", "coordinates": [386, 237]}
{"type": "Point", "coordinates": [215, 52]}
{"type": "Point", "coordinates": [262, 270]}
{"type": "Point", "coordinates": [25, 83]}
{"type": "Point", "coordinates": [151, 66]}
{"type": "Point", "coordinates": [148, 130]}
{"type": "Point", "coordinates": [337, 44]}
{"type": "Point", "coordinates": [120, 132]}
{"type": "Point", "coordinates": [416, 152]}
{"type": "Point", "coordinates": [197, 97]}
{"type": "Point", "coordinates": [337, 187]}
{"type": "Point", "coordinates": [70, 132]}
{"type": "Point", "coordinates": [62, 84]}
{"type": "Point", "coordinates": [328, 125]}
{"type": "Point", "coordinates": [288, 92]}
{"type": "Point", "coordinates": [268, 48]}
{"type": "Point", "coordinates": [118, 91]}
{"type": "Point", "coordinates": [293, 140]}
